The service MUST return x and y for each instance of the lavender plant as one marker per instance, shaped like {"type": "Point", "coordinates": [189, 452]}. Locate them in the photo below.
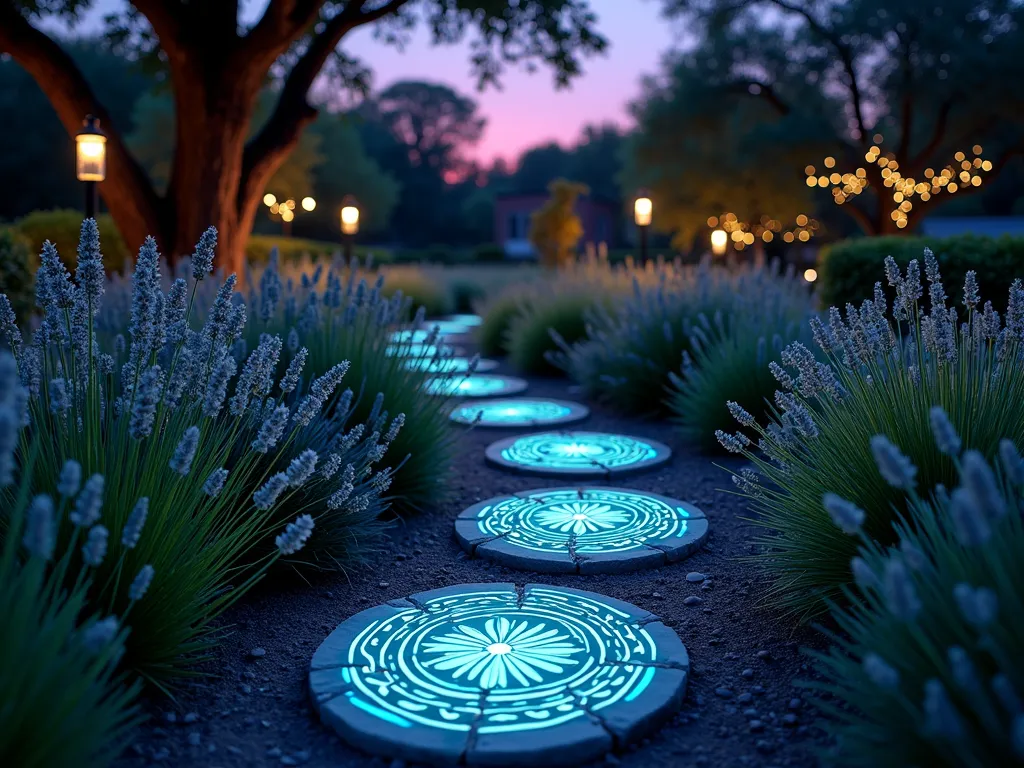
{"type": "Point", "coordinates": [183, 455]}
{"type": "Point", "coordinates": [633, 349]}
{"type": "Point", "coordinates": [335, 314]}
{"type": "Point", "coordinates": [58, 669]}
{"type": "Point", "coordinates": [926, 669]}
{"type": "Point", "coordinates": [726, 371]}
{"type": "Point", "coordinates": [877, 375]}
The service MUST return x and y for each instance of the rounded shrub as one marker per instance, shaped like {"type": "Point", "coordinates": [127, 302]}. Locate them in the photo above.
{"type": "Point", "coordinates": [538, 329]}
{"type": "Point", "coordinates": [877, 375]}
{"type": "Point", "coordinates": [926, 668]}
{"type": "Point", "coordinates": [17, 263]}
{"type": "Point", "coordinates": [498, 312]}
{"type": "Point", "coordinates": [425, 286]}
{"type": "Point", "coordinates": [61, 227]}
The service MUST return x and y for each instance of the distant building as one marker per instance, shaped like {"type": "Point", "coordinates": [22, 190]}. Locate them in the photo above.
{"type": "Point", "coordinates": [512, 222]}
{"type": "Point", "coordinates": [988, 226]}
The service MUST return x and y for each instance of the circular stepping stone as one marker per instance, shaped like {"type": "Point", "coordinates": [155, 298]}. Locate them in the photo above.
{"type": "Point", "coordinates": [499, 675]}
{"type": "Point", "coordinates": [470, 321]}
{"type": "Point", "coordinates": [417, 349]}
{"type": "Point", "coordinates": [520, 412]}
{"type": "Point", "coordinates": [582, 530]}
{"type": "Point", "coordinates": [450, 365]}
{"type": "Point", "coordinates": [447, 327]}
{"type": "Point", "coordinates": [477, 385]}
{"type": "Point", "coordinates": [420, 335]}
{"type": "Point", "coordinates": [577, 454]}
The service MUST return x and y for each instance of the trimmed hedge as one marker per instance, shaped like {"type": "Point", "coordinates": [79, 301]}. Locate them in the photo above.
{"type": "Point", "coordinates": [257, 250]}
{"type": "Point", "coordinates": [63, 227]}
{"type": "Point", "coordinates": [850, 269]}
{"type": "Point", "coordinates": [17, 269]}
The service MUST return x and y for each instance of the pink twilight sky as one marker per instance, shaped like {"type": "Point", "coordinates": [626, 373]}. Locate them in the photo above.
{"type": "Point", "coordinates": [528, 111]}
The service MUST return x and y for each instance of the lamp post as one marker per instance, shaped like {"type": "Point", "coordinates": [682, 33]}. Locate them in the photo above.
{"type": "Point", "coordinates": [642, 213]}
{"type": "Point", "coordinates": [90, 160]}
{"type": "Point", "coordinates": [349, 224]}
{"type": "Point", "coordinates": [719, 242]}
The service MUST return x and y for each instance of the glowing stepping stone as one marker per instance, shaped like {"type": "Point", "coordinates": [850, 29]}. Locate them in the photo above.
{"type": "Point", "coordinates": [577, 454]}
{"type": "Point", "coordinates": [470, 321]}
{"type": "Point", "coordinates": [477, 385]}
{"type": "Point", "coordinates": [421, 350]}
{"type": "Point", "coordinates": [492, 674]}
{"type": "Point", "coordinates": [520, 412]}
{"type": "Point", "coordinates": [582, 530]}
{"type": "Point", "coordinates": [409, 337]}
{"type": "Point", "coordinates": [449, 365]}
{"type": "Point", "coordinates": [447, 327]}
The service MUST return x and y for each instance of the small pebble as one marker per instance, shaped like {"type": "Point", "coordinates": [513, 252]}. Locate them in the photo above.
{"type": "Point", "coordinates": [790, 720]}
{"type": "Point", "coordinates": [764, 655]}
{"type": "Point", "coordinates": [795, 703]}
{"type": "Point", "coordinates": [190, 717]}
{"type": "Point", "coordinates": [745, 698]}
{"type": "Point", "coordinates": [724, 693]}
{"type": "Point", "coordinates": [747, 674]}
{"type": "Point", "coordinates": [756, 726]}
{"type": "Point", "coordinates": [694, 577]}
{"type": "Point", "coordinates": [257, 653]}
{"type": "Point", "coordinates": [692, 600]}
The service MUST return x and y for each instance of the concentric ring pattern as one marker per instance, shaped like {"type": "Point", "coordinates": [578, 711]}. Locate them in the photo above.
{"type": "Point", "coordinates": [519, 412]}
{"type": "Point", "coordinates": [579, 453]}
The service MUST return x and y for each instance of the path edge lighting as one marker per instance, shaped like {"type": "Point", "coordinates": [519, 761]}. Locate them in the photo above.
{"type": "Point", "coordinates": [90, 160]}
{"type": "Point", "coordinates": [643, 213]}
{"type": "Point", "coordinates": [349, 217]}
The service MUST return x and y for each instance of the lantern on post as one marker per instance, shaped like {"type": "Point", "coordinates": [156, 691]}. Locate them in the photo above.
{"type": "Point", "coordinates": [90, 160]}
{"type": "Point", "coordinates": [643, 210]}
{"type": "Point", "coordinates": [719, 242]}
{"type": "Point", "coordinates": [349, 224]}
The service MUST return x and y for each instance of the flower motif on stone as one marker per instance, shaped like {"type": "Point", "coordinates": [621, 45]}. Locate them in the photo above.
{"type": "Point", "coordinates": [580, 517]}
{"type": "Point", "coordinates": [504, 652]}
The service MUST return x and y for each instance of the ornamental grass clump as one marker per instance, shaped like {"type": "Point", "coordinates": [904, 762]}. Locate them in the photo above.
{"type": "Point", "coordinates": [726, 371]}
{"type": "Point", "coordinates": [633, 349]}
{"type": "Point", "coordinates": [876, 375]}
{"type": "Point", "coordinates": [334, 314]}
{"type": "Point", "coordinates": [58, 668]}
{"type": "Point", "coordinates": [927, 667]}
{"type": "Point", "coordinates": [180, 451]}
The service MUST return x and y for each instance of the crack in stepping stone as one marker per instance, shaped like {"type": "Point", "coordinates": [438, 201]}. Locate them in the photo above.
{"type": "Point", "coordinates": [584, 704]}
{"type": "Point", "coordinates": [485, 540]}
{"type": "Point", "coordinates": [417, 604]}
{"type": "Point", "coordinates": [577, 558]}
{"type": "Point", "coordinates": [520, 596]}
{"type": "Point", "coordinates": [654, 664]}
{"type": "Point", "coordinates": [474, 727]}
{"type": "Point", "coordinates": [649, 619]}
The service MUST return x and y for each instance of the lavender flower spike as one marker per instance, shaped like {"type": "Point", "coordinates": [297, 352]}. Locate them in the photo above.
{"type": "Point", "coordinates": [969, 523]}
{"type": "Point", "coordinates": [301, 468]}
{"type": "Point", "coordinates": [90, 273]}
{"type": "Point", "coordinates": [946, 438]}
{"type": "Point", "coordinates": [215, 482]}
{"type": "Point", "coordinates": [40, 537]}
{"type": "Point", "coordinates": [862, 574]}
{"type": "Point", "coordinates": [900, 595]}
{"type": "Point", "coordinates": [941, 718]}
{"type": "Point", "coordinates": [896, 468]}
{"type": "Point", "coordinates": [95, 547]}
{"type": "Point", "coordinates": [70, 479]}
{"type": "Point", "coordinates": [845, 514]}
{"type": "Point", "coordinates": [88, 503]}
{"type": "Point", "coordinates": [141, 583]}
{"type": "Point", "coordinates": [744, 418]}
{"type": "Point", "coordinates": [295, 535]}
{"type": "Point", "coordinates": [266, 496]}
{"type": "Point", "coordinates": [1013, 464]}
{"type": "Point", "coordinates": [181, 461]}
{"type": "Point", "coordinates": [978, 606]}
{"type": "Point", "coordinates": [880, 672]}
{"type": "Point", "coordinates": [979, 479]}
{"type": "Point", "coordinates": [271, 430]}
{"type": "Point", "coordinates": [202, 259]}
{"type": "Point", "coordinates": [99, 635]}
{"type": "Point", "coordinates": [136, 520]}
{"type": "Point", "coordinates": [146, 399]}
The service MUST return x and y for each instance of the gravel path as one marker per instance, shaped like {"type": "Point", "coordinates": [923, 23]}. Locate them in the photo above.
{"type": "Point", "coordinates": [742, 706]}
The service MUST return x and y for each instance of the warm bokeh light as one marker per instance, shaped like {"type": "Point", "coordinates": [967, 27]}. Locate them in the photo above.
{"type": "Point", "coordinates": [90, 151]}
{"type": "Point", "coordinates": [643, 210]}
{"type": "Point", "coordinates": [810, 275]}
{"type": "Point", "coordinates": [290, 204]}
{"type": "Point", "coordinates": [308, 203]}
{"type": "Point", "coordinates": [269, 199]}
{"type": "Point", "coordinates": [286, 214]}
{"type": "Point", "coordinates": [719, 240]}
{"type": "Point", "coordinates": [349, 220]}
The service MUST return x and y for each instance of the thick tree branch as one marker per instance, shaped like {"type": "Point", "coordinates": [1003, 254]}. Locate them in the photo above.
{"type": "Point", "coordinates": [127, 189]}
{"type": "Point", "coordinates": [862, 217]}
{"type": "Point", "coordinates": [293, 112]}
{"type": "Point", "coordinates": [845, 57]}
{"type": "Point", "coordinates": [939, 128]}
{"type": "Point", "coordinates": [764, 91]}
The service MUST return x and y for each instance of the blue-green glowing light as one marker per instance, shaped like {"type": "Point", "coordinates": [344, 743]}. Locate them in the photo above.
{"type": "Point", "coordinates": [477, 385]}
{"type": "Point", "coordinates": [578, 450]}
{"type": "Point", "coordinates": [409, 337]}
{"type": "Point", "coordinates": [493, 661]}
{"type": "Point", "coordinates": [419, 350]}
{"type": "Point", "coordinates": [447, 327]}
{"type": "Point", "coordinates": [515, 412]}
{"type": "Point", "coordinates": [596, 520]}
{"type": "Point", "coordinates": [470, 321]}
{"type": "Point", "coordinates": [448, 365]}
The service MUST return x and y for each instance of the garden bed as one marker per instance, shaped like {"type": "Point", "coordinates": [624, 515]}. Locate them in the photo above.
{"type": "Point", "coordinates": [742, 706]}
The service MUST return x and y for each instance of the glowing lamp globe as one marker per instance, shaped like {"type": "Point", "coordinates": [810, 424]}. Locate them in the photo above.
{"type": "Point", "coordinates": [269, 200]}
{"type": "Point", "coordinates": [643, 210]}
{"type": "Point", "coordinates": [349, 216]}
{"type": "Point", "coordinates": [719, 242]}
{"type": "Point", "coordinates": [91, 151]}
{"type": "Point", "coordinates": [308, 203]}
{"type": "Point", "coordinates": [810, 275]}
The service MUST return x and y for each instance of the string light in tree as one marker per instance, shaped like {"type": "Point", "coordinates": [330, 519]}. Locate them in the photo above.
{"type": "Point", "coordinates": [744, 234]}
{"type": "Point", "coordinates": [963, 172]}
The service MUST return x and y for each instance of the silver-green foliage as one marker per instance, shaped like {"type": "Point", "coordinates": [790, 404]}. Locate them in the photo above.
{"type": "Point", "coordinates": [876, 375]}
{"type": "Point", "coordinates": [335, 314]}
{"type": "Point", "coordinates": [927, 662]}
{"type": "Point", "coordinates": [215, 449]}
{"type": "Point", "coordinates": [634, 346]}
{"type": "Point", "coordinates": [64, 703]}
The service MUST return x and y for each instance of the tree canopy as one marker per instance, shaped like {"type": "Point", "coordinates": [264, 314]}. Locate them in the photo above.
{"type": "Point", "coordinates": [920, 80]}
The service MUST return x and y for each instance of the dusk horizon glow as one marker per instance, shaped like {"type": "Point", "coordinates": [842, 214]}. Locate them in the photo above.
{"type": "Point", "coordinates": [528, 111]}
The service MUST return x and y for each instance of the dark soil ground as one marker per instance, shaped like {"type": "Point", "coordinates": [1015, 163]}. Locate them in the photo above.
{"type": "Point", "coordinates": [743, 706]}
